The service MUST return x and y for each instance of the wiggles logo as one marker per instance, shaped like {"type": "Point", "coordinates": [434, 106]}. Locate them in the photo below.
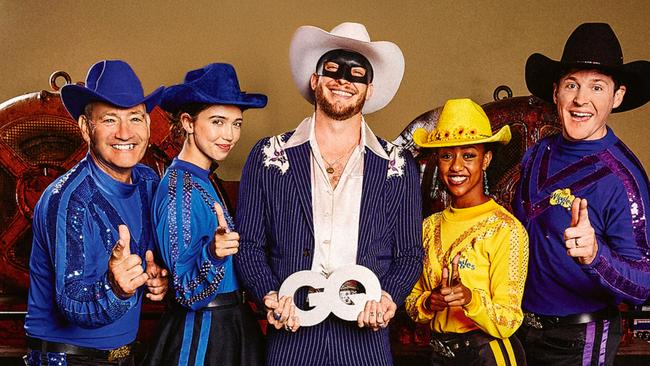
{"type": "Point", "coordinates": [465, 264]}
{"type": "Point", "coordinates": [562, 197]}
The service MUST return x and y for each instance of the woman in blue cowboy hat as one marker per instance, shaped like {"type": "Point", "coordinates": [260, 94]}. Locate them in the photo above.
{"type": "Point", "coordinates": [209, 322]}
{"type": "Point", "coordinates": [476, 252]}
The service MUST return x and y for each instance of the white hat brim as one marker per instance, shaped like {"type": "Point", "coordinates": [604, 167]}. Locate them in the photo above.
{"type": "Point", "coordinates": [310, 43]}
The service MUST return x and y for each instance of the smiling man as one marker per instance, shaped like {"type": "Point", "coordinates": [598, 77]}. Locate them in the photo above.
{"type": "Point", "coordinates": [90, 257]}
{"type": "Point", "coordinates": [331, 194]}
{"type": "Point", "coordinates": [583, 197]}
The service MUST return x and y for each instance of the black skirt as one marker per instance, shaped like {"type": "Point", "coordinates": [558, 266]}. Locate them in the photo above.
{"type": "Point", "coordinates": [211, 336]}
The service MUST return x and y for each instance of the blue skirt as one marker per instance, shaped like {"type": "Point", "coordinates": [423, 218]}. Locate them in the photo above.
{"type": "Point", "coordinates": [227, 335]}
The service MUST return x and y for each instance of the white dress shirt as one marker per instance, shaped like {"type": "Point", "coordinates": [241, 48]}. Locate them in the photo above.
{"type": "Point", "coordinates": [335, 211]}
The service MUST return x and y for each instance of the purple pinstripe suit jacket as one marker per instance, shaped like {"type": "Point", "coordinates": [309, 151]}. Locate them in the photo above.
{"type": "Point", "coordinates": [275, 222]}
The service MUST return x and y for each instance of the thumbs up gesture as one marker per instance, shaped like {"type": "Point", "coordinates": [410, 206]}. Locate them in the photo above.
{"type": "Point", "coordinates": [125, 272]}
{"type": "Point", "coordinates": [436, 301]}
{"type": "Point", "coordinates": [225, 242]}
{"type": "Point", "coordinates": [580, 237]}
{"type": "Point", "coordinates": [157, 282]}
{"type": "Point", "coordinates": [452, 289]}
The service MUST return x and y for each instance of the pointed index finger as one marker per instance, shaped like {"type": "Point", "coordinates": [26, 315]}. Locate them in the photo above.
{"type": "Point", "coordinates": [122, 248]}
{"type": "Point", "coordinates": [445, 277]}
{"type": "Point", "coordinates": [149, 257]}
{"type": "Point", "coordinates": [453, 278]}
{"type": "Point", "coordinates": [152, 267]}
{"type": "Point", "coordinates": [575, 211]}
{"type": "Point", "coordinates": [583, 214]}
{"type": "Point", "coordinates": [221, 219]}
{"type": "Point", "coordinates": [125, 238]}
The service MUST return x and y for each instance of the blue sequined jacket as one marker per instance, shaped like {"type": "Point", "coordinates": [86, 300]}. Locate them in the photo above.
{"type": "Point", "coordinates": [184, 224]}
{"type": "Point", "coordinates": [75, 228]}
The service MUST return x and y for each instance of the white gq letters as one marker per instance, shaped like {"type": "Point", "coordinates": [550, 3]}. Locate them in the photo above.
{"type": "Point", "coordinates": [328, 301]}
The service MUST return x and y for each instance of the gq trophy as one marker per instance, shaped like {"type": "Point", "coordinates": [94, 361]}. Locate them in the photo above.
{"type": "Point", "coordinates": [330, 295]}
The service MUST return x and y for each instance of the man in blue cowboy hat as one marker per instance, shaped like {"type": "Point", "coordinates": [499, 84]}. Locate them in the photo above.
{"type": "Point", "coordinates": [331, 194]}
{"type": "Point", "coordinates": [92, 228]}
{"type": "Point", "coordinates": [583, 197]}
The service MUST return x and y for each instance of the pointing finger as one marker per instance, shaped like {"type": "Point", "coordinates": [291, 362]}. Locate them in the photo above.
{"type": "Point", "coordinates": [455, 275]}
{"type": "Point", "coordinates": [152, 267]}
{"type": "Point", "coordinates": [575, 211]}
{"type": "Point", "coordinates": [221, 219]}
{"type": "Point", "coordinates": [583, 214]}
{"type": "Point", "coordinates": [125, 239]}
{"type": "Point", "coordinates": [445, 277]}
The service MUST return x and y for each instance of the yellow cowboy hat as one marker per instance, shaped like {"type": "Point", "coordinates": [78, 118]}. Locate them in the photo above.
{"type": "Point", "coordinates": [461, 122]}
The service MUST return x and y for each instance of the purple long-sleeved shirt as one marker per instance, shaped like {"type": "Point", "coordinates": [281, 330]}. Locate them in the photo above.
{"type": "Point", "coordinates": [611, 178]}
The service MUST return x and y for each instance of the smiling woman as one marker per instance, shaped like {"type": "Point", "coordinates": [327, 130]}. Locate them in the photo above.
{"type": "Point", "coordinates": [195, 232]}
{"type": "Point", "coordinates": [471, 286]}
{"type": "Point", "coordinates": [462, 170]}
{"type": "Point", "coordinates": [210, 134]}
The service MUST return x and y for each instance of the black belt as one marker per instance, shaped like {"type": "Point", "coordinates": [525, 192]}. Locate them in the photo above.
{"type": "Point", "coordinates": [227, 299]}
{"type": "Point", "coordinates": [448, 344]}
{"type": "Point", "coordinates": [544, 321]}
{"type": "Point", "coordinates": [47, 346]}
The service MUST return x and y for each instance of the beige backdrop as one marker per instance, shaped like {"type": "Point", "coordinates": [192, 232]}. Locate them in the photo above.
{"type": "Point", "coordinates": [452, 49]}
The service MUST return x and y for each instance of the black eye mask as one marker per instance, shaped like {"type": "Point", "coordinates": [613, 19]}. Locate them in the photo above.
{"type": "Point", "coordinates": [346, 61]}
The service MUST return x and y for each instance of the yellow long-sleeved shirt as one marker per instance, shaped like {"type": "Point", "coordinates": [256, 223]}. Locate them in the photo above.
{"type": "Point", "coordinates": [493, 265]}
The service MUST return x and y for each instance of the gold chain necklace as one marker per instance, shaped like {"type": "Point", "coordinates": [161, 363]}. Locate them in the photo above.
{"type": "Point", "coordinates": [330, 168]}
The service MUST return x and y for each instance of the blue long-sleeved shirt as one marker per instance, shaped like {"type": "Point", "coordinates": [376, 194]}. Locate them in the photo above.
{"type": "Point", "coordinates": [609, 176]}
{"type": "Point", "coordinates": [75, 227]}
{"type": "Point", "coordinates": [184, 222]}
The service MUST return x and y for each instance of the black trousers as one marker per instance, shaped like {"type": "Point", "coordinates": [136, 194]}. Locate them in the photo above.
{"type": "Point", "coordinates": [481, 350]}
{"type": "Point", "coordinates": [594, 343]}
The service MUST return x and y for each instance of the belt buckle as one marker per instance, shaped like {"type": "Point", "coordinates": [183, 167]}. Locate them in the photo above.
{"type": "Point", "coordinates": [441, 348]}
{"type": "Point", "coordinates": [118, 353]}
{"type": "Point", "coordinates": [532, 321]}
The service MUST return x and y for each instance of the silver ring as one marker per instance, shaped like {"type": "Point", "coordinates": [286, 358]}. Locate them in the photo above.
{"type": "Point", "coordinates": [576, 242]}
{"type": "Point", "coordinates": [380, 315]}
{"type": "Point", "coordinates": [276, 316]}
{"type": "Point", "coordinates": [287, 327]}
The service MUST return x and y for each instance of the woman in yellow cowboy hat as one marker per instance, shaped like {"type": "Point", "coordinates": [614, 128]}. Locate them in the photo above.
{"type": "Point", "coordinates": [476, 256]}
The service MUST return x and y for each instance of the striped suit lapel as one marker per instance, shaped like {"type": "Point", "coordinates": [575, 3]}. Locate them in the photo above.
{"type": "Point", "coordinates": [374, 176]}
{"type": "Point", "coordinates": [299, 161]}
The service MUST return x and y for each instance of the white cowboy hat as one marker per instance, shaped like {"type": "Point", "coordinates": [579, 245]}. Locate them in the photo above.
{"type": "Point", "coordinates": [310, 43]}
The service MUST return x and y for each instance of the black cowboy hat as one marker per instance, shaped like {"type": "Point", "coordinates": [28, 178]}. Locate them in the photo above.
{"type": "Point", "coordinates": [591, 46]}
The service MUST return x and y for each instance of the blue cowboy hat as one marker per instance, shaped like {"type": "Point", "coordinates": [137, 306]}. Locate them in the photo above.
{"type": "Point", "coordinates": [213, 84]}
{"type": "Point", "coordinates": [108, 81]}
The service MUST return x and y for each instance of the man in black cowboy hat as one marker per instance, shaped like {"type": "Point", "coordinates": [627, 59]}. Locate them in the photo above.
{"type": "Point", "coordinates": [331, 194]}
{"type": "Point", "coordinates": [92, 229]}
{"type": "Point", "coordinates": [583, 197]}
